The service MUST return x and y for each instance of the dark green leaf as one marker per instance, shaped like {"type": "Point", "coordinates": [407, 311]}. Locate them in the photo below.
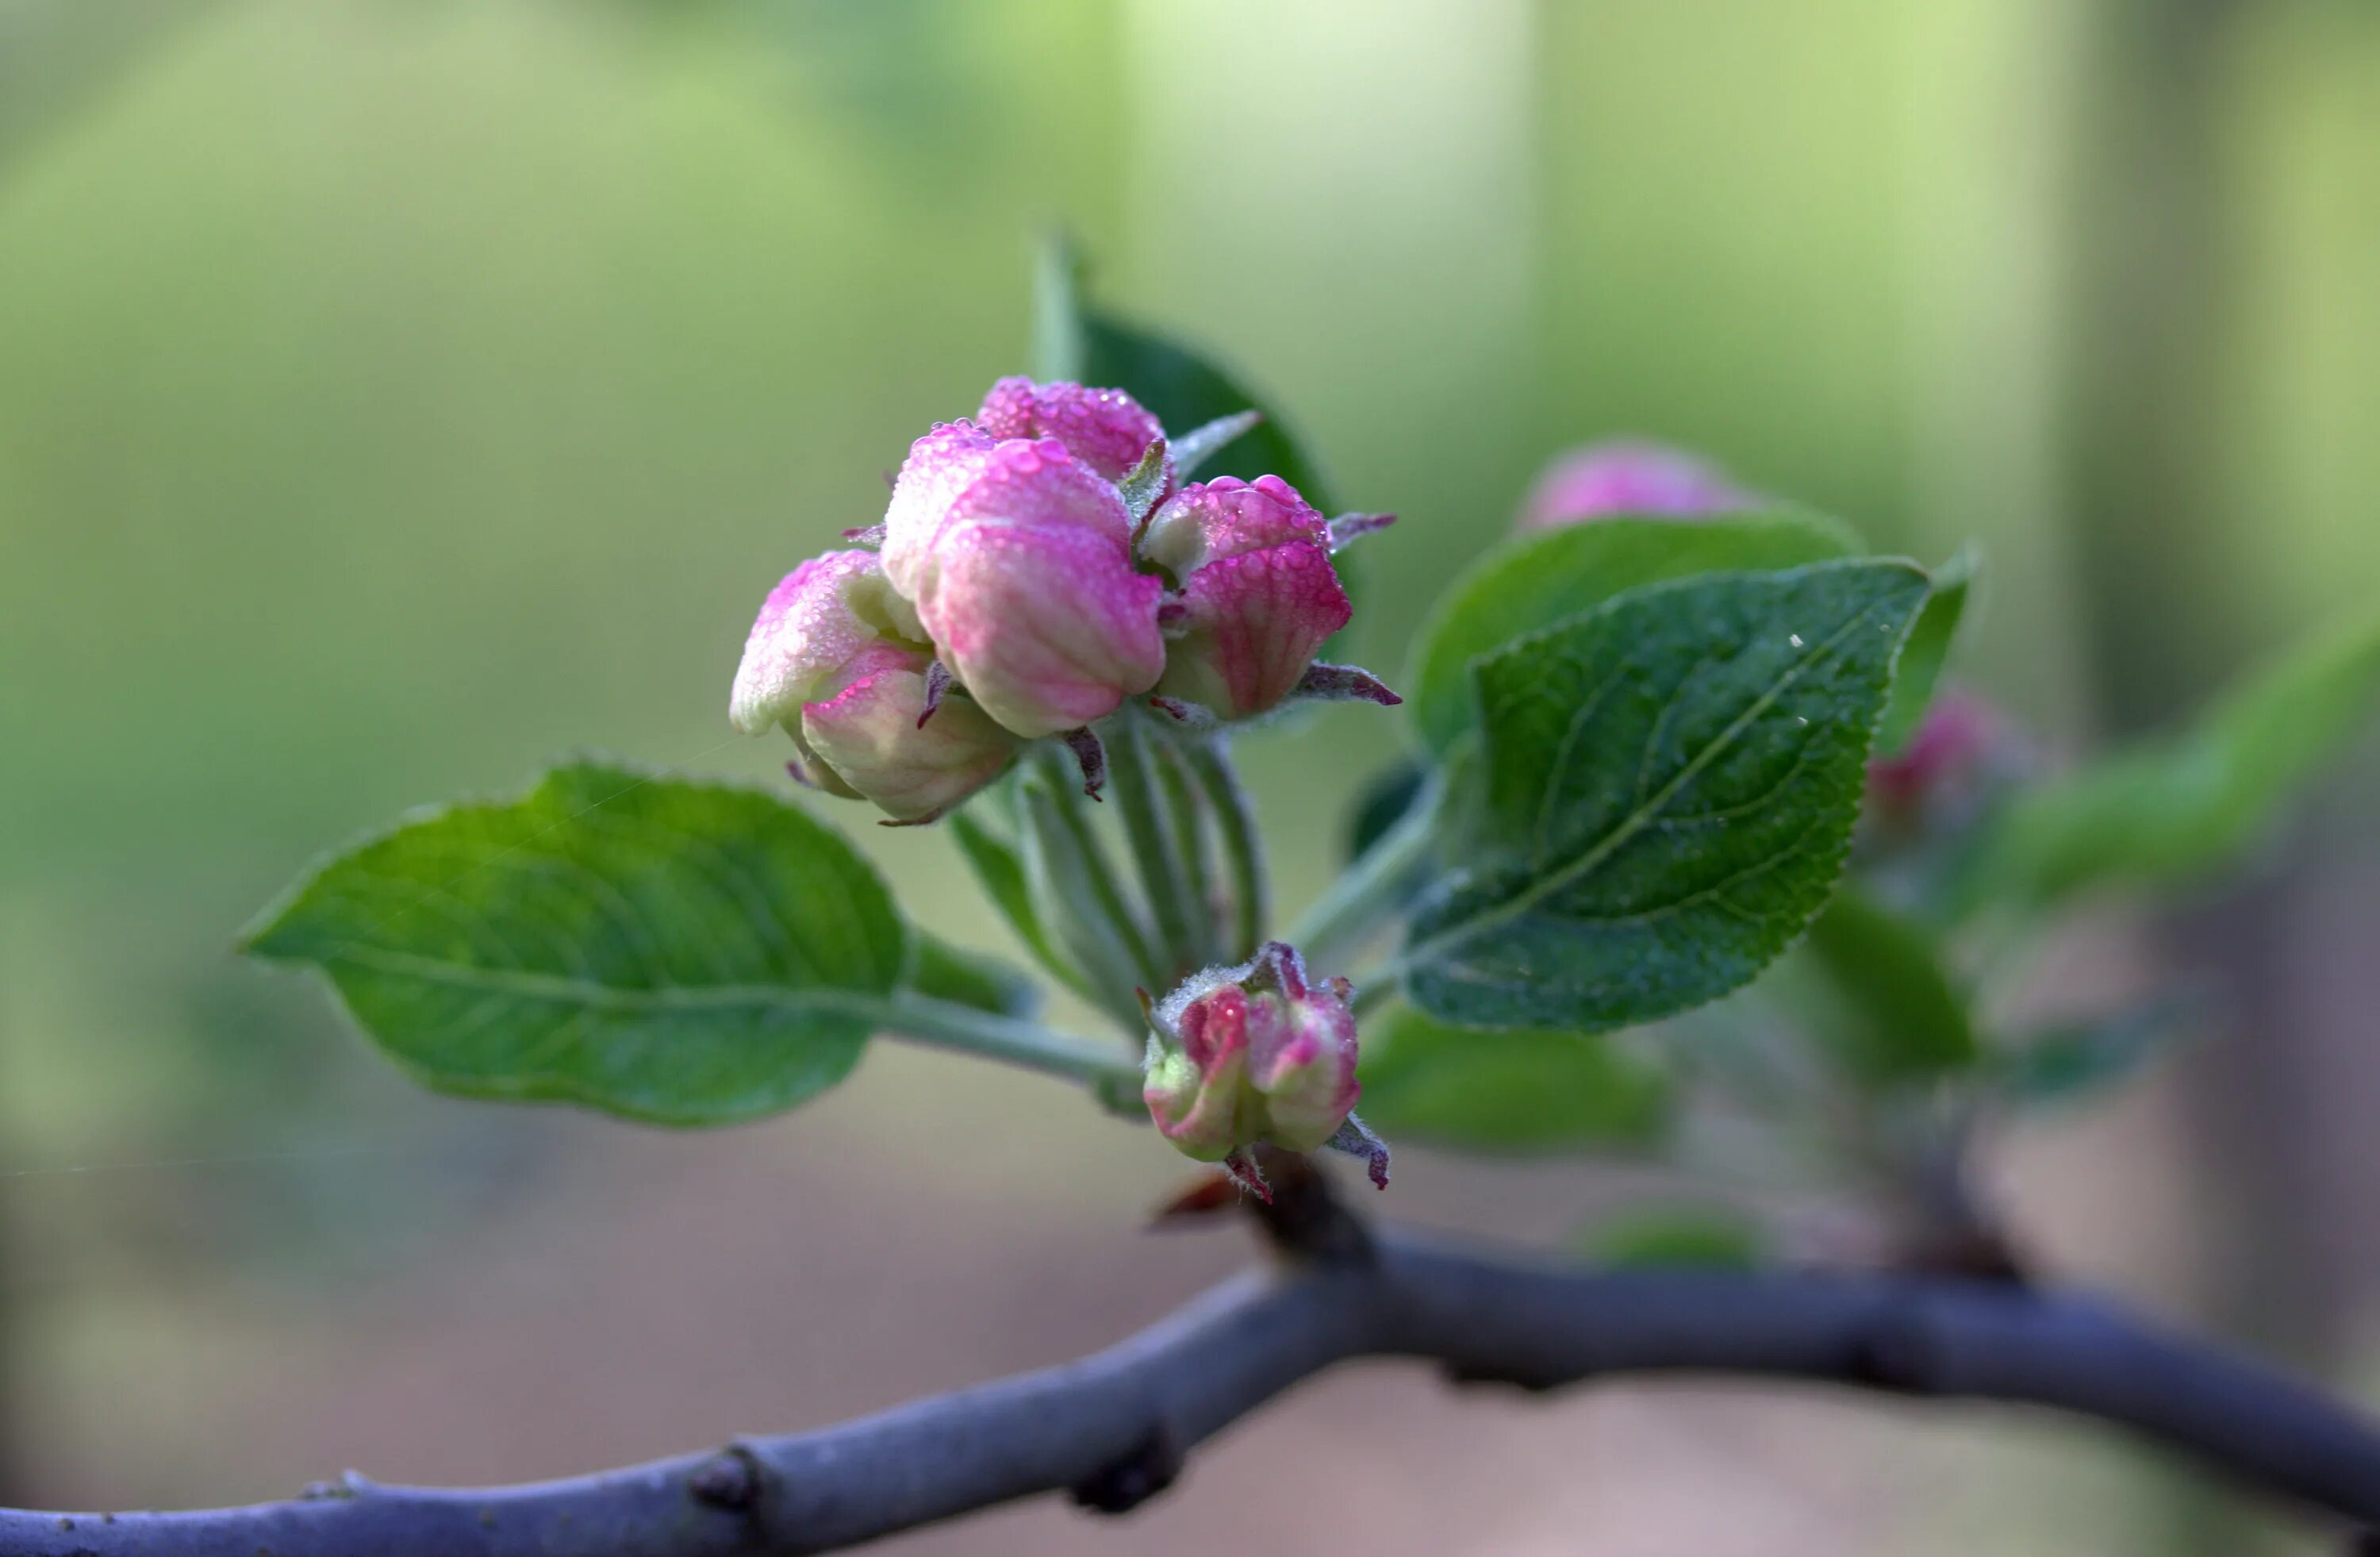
{"type": "Point", "coordinates": [1892, 1014]}
{"type": "Point", "coordinates": [687, 953]}
{"type": "Point", "coordinates": [1508, 1091]}
{"type": "Point", "coordinates": [1536, 581]}
{"type": "Point", "coordinates": [1697, 1237]}
{"type": "Point", "coordinates": [1671, 782]}
{"type": "Point", "coordinates": [2166, 812]}
{"type": "Point", "coordinates": [967, 977]}
{"type": "Point", "coordinates": [1927, 651]}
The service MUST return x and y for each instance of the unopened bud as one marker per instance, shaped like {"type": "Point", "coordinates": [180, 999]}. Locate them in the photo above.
{"type": "Point", "coordinates": [1253, 1054]}
{"type": "Point", "coordinates": [1028, 591]}
{"type": "Point", "coordinates": [1106, 429]}
{"type": "Point", "coordinates": [1259, 594]}
{"type": "Point", "coordinates": [839, 660]}
{"type": "Point", "coordinates": [1628, 478]}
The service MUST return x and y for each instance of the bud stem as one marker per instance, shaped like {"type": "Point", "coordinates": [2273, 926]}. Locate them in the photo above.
{"type": "Point", "coordinates": [1369, 890]}
{"type": "Point", "coordinates": [1079, 893]}
{"type": "Point", "coordinates": [1155, 850]}
{"type": "Point", "coordinates": [1187, 815]}
{"type": "Point", "coordinates": [1242, 844]}
{"type": "Point", "coordinates": [947, 1025]}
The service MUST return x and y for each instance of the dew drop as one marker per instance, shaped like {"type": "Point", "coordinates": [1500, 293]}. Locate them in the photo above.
{"type": "Point", "coordinates": [1794, 638]}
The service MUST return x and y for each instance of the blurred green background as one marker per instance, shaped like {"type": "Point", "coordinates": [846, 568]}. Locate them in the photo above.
{"type": "Point", "coordinates": [396, 394]}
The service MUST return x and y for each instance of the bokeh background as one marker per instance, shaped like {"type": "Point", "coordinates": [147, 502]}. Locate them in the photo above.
{"type": "Point", "coordinates": [396, 394]}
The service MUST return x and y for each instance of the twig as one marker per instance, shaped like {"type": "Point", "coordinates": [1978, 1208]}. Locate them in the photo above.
{"type": "Point", "coordinates": [1115, 1427]}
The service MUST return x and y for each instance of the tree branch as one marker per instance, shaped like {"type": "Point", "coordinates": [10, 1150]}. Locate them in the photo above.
{"type": "Point", "coordinates": [1113, 1427]}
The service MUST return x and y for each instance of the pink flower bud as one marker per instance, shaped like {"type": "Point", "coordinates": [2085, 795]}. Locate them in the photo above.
{"type": "Point", "coordinates": [1962, 748]}
{"type": "Point", "coordinates": [1105, 429]}
{"type": "Point", "coordinates": [817, 618]}
{"type": "Point", "coordinates": [940, 465]}
{"type": "Point", "coordinates": [874, 737]}
{"type": "Point", "coordinates": [1254, 1053]}
{"type": "Point", "coordinates": [1258, 595]}
{"type": "Point", "coordinates": [837, 659]}
{"type": "Point", "coordinates": [1628, 478]}
{"type": "Point", "coordinates": [1028, 590]}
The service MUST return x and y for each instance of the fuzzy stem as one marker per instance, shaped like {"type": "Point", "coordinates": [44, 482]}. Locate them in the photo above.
{"type": "Point", "coordinates": [1242, 844]}
{"type": "Point", "coordinates": [1164, 876]}
{"type": "Point", "coordinates": [947, 1024]}
{"type": "Point", "coordinates": [1368, 892]}
{"type": "Point", "coordinates": [1078, 897]}
{"type": "Point", "coordinates": [1188, 816]}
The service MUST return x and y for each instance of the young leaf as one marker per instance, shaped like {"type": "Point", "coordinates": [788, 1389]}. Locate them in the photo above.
{"type": "Point", "coordinates": [1892, 1014]}
{"type": "Point", "coordinates": [1537, 580]}
{"type": "Point", "coordinates": [680, 953]}
{"type": "Point", "coordinates": [2069, 1065]}
{"type": "Point", "coordinates": [1521, 1091]}
{"type": "Point", "coordinates": [1927, 651]}
{"type": "Point", "coordinates": [1671, 782]}
{"type": "Point", "coordinates": [970, 979]}
{"type": "Point", "coordinates": [2166, 812]}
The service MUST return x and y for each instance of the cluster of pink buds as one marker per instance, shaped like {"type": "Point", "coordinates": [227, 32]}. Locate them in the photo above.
{"type": "Point", "coordinates": [1039, 566]}
{"type": "Point", "coordinates": [1257, 1054]}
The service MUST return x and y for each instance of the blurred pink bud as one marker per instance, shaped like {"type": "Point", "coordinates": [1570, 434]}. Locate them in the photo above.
{"type": "Point", "coordinates": [1628, 478]}
{"type": "Point", "coordinates": [1028, 590]}
{"type": "Point", "coordinates": [838, 661]}
{"type": "Point", "coordinates": [1105, 429]}
{"type": "Point", "coordinates": [1258, 595]}
{"type": "Point", "coordinates": [873, 736]}
{"type": "Point", "coordinates": [1253, 1054]}
{"type": "Point", "coordinates": [1944, 763]}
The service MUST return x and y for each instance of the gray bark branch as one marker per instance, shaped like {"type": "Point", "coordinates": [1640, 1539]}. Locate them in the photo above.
{"type": "Point", "coordinates": [1114, 1427]}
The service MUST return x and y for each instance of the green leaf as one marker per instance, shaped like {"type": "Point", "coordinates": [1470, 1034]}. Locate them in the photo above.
{"type": "Point", "coordinates": [2072, 1063]}
{"type": "Point", "coordinates": [1927, 651]}
{"type": "Point", "coordinates": [1670, 785]}
{"type": "Point", "coordinates": [2165, 813]}
{"type": "Point", "coordinates": [1536, 581]}
{"type": "Point", "coordinates": [682, 952]}
{"type": "Point", "coordinates": [1510, 1091]}
{"type": "Point", "coordinates": [1695, 1237]}
{"type": "Point", "coordinates": [971, 978]}
{"type": "Point", "coordinates": [1892, 1014]}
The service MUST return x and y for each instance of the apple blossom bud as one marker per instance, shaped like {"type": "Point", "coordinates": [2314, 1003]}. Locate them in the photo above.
{"type": "Point", "coordinates": [1627, 478]}
{"type": "Point", "coordinates": [1028, 591]}
{"type": "Point", "coordinates": [1259, 594]}
{"type": "Point", "coordinates": [874, 735]}
{"type": "Point", "coordinates": [1249, 1054]}
{"type": "Point", "coordinates": [940, 465]}
{"type": "Point", "coordinates": [840, 662]}
{"type": "Point", "coordinates": [1105, 429]}
{"type": "Point", "coordinates": [1961, 753]}
{"type": "Point", "coordinates": [814, 621]}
